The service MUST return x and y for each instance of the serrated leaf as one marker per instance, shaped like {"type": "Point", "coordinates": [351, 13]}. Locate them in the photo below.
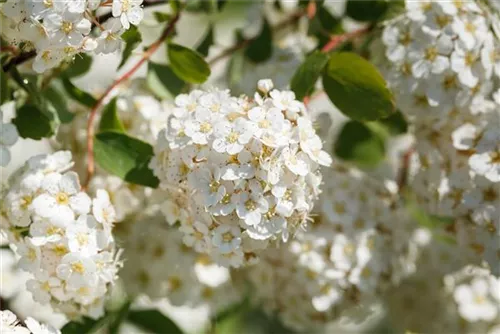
{"type": "Point", "coordinates": [32, 122]}
{"type": "Point", "coordinates": [366, 10]}
{"type": "Point", "coordinates": [79, 66]}
{"type": "Point", "coordinates": [261, 48]}
{"type": "Point", "coordinates": [132, 38]}
{"type": "Point", "coordinates": [85, 325]}
{"type": "Point", "coordinates": [188, 64]}
{"type": "Point", "coordinates": [357, 88]}
{"type": "Point", "coordinates": [206, 43]}
{"type": "Point", "coordinates": [360, 144]}
{"type": "Point", "coordinates": [308, 73]}
{"type": "Point", "coordinates": [110, 120]}
{"type": "Point", "coordinates": [153, 321]}
{"type": "Point", "coordinates": [59, 102]}
{"type": "Point", "coordinates": [125, 157]}
{"type": "Point", "coordinates": [163, 82]}
{"type": "Point", "coordinates": [77, 94]}
{"type": "Point", "coordinates": [4, 88]}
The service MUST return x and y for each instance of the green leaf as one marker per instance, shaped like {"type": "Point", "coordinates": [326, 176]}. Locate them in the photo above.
{"type": "Point", "coordinates": [188, 64]}
{"type": "Point", "coordinates": [261, 48]}
{"type": "Point", "coordinates": [85, 325]}
{"type": "Point", "coordinates": [328, 22]}
{"type": "Point", "coordinates": [235, 68]}
{"type": "Point", "coordinates": [153, 321]}
{"type": "Point", "coordinates": [205, 44]}
{"type": "Point", "coordinates": [395, 124]}
{"type": "Point", "coordinates": [32, 122]}
{"type": "Point", "coordinates": [125, 157]}
{"type": "Point", "coordinates": [109, 119]}
{"type": "Point", "coordinates": [357, 88]}
{"type": "Point", "coordinates": [162, 17]}
{"type": "Point", "coordinates": [119, 317]}
{"type": "Point", "coordinates": [79, 66]}
{"type": "Point", "coordinates": [163, 82]}
{"type": "Point", "coordinates": [59, 102]}
{"type": "Point", "coordinates": [175, 5]}
{"type": "Point", "coordinates": [366, 10]}
{"type": "Point", "coordinates": [308, 73]}
{"type": "Point", "coordinates": [4, 88]}
{"type": "Point", "coordinates": [132, 38]}
{"type": "Point", "coordinates": [359, 143]}
{"type": "Point", "coordinates": [77, 94]}
{"type": "Point", "coordinates": [221, 4]}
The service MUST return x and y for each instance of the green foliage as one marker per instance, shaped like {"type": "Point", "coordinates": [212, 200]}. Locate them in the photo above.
{"type": "Point", "coordinates": [33, 122]}
{"type": "Point", "coordinates": [357, 88]}
{"type": "Point", "coordinates": [260, 48]}
{"type": "Point", "coordinates": [206, 43]}
{"type": "Point", "coordinates": [188, 64]}
{"type": "Point", "coordinates": [329, 23]}
{"type": "Point", "coordinates": [132, 38]}
{"type": "Point", "coordinates": [79, 66]}
{"type": "Point", "coordinates": [153, 321]}
{"type": "Point", "coordinates": [163, 82]}
{"type": "Point", "coordinates": [366, 10]}
{"type": "Point", "coordinates": [77, 94]}
{"type": "Point", "coordinates": [235, 68]}
{"type": "Point", "coordinates": [308, 73]}
{"type": "Point", "coordinates": [59, 102]}
{"type": "Point", "coordinates": [84, 326]}
{"type": "Point", "coordinates": [110, 120]}
{"type": "Point", "coordinates": [125, 157]}
{"type": "Point", "coordinates": [395, 124]}
{"type": "Point", "coordinates": [361, 144]}
{"type": "Point", "coordinates": [5, 89]}
{"type": "Point", "coordinates": [162, 17]}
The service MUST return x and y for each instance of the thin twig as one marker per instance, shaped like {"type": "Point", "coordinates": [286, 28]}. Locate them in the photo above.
{"type": "Point", "coordinates": [93, 112]}
{"type": "Point", "coordinates": [280, 26]}
{"type": "Point", "coordinates": [336, 40]}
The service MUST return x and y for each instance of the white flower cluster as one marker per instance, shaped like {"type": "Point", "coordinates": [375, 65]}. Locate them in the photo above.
{"type": "Point", "coordinates": [440, 57]}
{"type": "Point", "coordinates": [465, 301]}
{"type": "Point", "coordinates": [8, 137]}
{"type": "Point", "coordinates": [60, 29]}
{"type": "Point", "coordinates": [356, 249]}
{"type": "Point", "coordinates": [10, 325]}
{"type": "Point", "coordinates": [159, 265]}
{"type": "Point", "coordinates": [62, 236]}
{"type": "Point", "coordinates": [248, 170]}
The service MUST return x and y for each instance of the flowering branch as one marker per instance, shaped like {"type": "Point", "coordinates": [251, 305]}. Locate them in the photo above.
{"type": "Point", "coordinates": [93, 112]}
{"type": "Point", "coordinates": [336, 40]}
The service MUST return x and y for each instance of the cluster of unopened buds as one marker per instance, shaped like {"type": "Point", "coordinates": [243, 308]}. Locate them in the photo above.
{"type": "Point", "coordinates": [58, 30]}
{"type": "Point", "coordinates": [62, 236]}
{"type": "Point", "coordinates": [247, 170]}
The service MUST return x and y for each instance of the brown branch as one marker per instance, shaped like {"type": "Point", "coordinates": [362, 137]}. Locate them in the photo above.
{"type": "Point", "coordinates": [280, 26]}
{"type": "Point", "coordinates": [169, 30]}
{"type": "Point", "coordinates": [336, 40]}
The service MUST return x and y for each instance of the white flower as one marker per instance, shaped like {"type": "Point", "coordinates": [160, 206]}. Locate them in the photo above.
{"type": "Point", "coordinates": [129, 11]}
{"type": "Point", "coordinates": [297, 162]}
{"type": "Point", "coordinates": [265, 85]}
{"type": "Point", "coordinates": [69, 29]}
{"type": "Point", "coordinates": [8, 137]}
{"type": "Point", "coordinates": [102, 209]}
{"type": "Point", "coordinates": [231, 137]}
{"type": "Point", "coordinates": [37, 328]}
{"type": "Point", "coordinates": [78, 271]}
{"type": "Point", "coordinates": [30, 255]}
{"type": "Point", "coordinates": [474, 301]}
{"type": "Point", "coordinates": [61, 198]}
{"type": "Point", "coordinates": [109, 40]}
{"type": "Point", "coordinates": [250, 208]}
{"type": "Point", "coordinates": [285, 101]}
{"type": "Point", "coordinates": [47, 59]}
{"type": "Point", "coordinates": [9, 323]}
{"type": "Point", "coordinates": [82, 236]}
{"type": "Point", "coordinates": [226, 238]}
